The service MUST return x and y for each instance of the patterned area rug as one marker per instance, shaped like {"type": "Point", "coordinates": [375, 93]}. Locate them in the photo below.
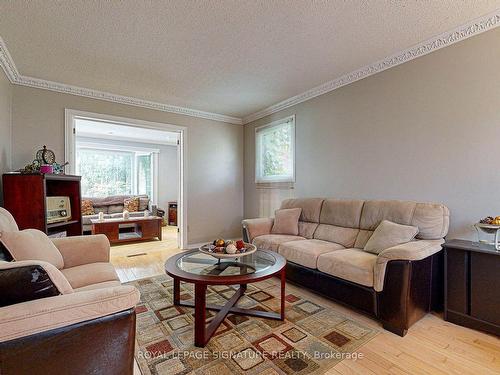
{"type": "Point", "coordinates": [311, 340]}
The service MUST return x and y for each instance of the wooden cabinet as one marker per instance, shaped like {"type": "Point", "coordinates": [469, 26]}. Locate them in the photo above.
{"type": "Point", "coordinates": [24, 196]}
{"type": "Point", "coordinates": [472, 285]}
{"type": "Point", "coordinates": [172, 213]}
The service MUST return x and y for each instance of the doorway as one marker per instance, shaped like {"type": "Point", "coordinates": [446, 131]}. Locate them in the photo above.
{"type": "Point", "coordinates": [119, 156]}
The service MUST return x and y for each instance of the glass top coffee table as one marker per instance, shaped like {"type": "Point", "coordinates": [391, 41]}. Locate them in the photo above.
{"type": "Point", "coordinates": [203, 270]}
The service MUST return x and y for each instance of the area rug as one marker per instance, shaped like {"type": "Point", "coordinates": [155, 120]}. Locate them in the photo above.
{"type": "Point", "coordinates": [311, 340]}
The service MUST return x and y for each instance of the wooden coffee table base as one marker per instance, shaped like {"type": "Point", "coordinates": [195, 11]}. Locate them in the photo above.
{"type": "Point", "coordinates": [202, 331]}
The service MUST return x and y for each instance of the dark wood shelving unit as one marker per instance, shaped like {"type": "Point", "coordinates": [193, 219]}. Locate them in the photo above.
{"type": "Point", "coordinates": [472, 297]}
{"type": "Point", "coordinates": [24, 196]}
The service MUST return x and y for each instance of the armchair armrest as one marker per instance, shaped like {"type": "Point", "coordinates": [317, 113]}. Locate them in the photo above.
{"type": "Point", "coordinates": [411, 251]}
{"type": "Point", "coordinates": [27, 318]}
{"type": "Point", "coordinates": [80, 250]}
{"type": "Point", "coordinates": [257, 227]}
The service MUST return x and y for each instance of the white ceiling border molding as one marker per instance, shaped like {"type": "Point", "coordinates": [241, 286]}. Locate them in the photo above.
{"type": "Point", "coordinates": [475, 27]}
{"type": "Point", "coordinates": [16, 78]}
{"type": "Point", "coordinates": [7, 63]}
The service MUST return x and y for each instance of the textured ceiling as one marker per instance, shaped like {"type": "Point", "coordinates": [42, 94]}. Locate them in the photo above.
{"type": "Point", "coordinates": [228, 57]}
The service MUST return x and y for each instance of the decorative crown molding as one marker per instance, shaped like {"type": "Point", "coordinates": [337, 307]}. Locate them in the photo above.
{"type": "Point", "coordinates": [16, 78]}
{"type": "Point", "coordinates": [478, 26]}
{"type": "Point", "coordinates": [475, 27]}
{"type": "Point", "coordinates": [7, 63]}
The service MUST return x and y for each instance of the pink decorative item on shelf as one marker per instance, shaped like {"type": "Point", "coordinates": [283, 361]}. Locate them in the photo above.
{"type": "Point", "coordinates": [46, 168]}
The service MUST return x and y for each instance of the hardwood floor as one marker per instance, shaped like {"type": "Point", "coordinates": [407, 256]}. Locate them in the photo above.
{"type": "Point", "coordinates": [137, 260]}
{"type": "Point", "coordinates": [432, 346]}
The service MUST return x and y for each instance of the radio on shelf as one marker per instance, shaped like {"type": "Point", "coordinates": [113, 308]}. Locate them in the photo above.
{"type": "Point", "coordinates": [58, 209]}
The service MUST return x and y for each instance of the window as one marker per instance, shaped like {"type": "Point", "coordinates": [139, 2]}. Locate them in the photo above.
{"type": "Point", "coordinates": [110, 170]}
{"type": "Point", "coordinates": [275, 151]}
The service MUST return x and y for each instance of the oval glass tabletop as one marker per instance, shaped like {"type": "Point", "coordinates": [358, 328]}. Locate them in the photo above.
{"type": "Point", "coordinates": [201, 264]}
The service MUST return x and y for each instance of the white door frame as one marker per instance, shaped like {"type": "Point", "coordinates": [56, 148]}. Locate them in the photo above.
{"type": "Point", "coordinates": [70, 145]}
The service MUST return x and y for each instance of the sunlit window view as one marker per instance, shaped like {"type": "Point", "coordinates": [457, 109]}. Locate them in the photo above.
{"type": "Point", "coordinates": [113, 172]}
{"type": "Point", "coordinates": [275, 152]}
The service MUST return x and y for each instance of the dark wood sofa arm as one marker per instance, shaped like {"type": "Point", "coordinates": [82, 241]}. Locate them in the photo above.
{"type": "Point", "coordinates": [411, 290]}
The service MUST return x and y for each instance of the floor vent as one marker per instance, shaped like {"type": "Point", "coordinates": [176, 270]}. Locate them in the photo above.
{"type": "Point", "coordinates": [136, 255]}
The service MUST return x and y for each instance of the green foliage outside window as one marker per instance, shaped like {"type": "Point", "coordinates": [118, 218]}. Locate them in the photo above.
{"type": "Point", "coordinates": [276, 151]}
{"type": "Point", "coordinates": [105, 172]}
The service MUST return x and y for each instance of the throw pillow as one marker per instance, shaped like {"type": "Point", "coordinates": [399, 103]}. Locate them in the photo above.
{"type": "Point", "coordinates": [32, 244]}
{"type": "Point", "coordinates": [286, 221]}
{"type": "Point", "coordinates": [131, 204]}
{"type": "Point", "coordinates": [143, 203]}
{"type": "Point", "coordinates": [389, 234]}
{"type": "Point", "coordinates": [87, 207]}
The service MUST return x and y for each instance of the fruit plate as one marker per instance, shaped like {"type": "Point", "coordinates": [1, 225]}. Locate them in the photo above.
{"type": "Point", "coordinates": [249, 249]}
{"type": "Point", "coordinates": [488, 228]}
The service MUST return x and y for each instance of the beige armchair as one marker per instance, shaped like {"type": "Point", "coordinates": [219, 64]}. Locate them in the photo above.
{"type": "Point", "coordinates": [77, 318]}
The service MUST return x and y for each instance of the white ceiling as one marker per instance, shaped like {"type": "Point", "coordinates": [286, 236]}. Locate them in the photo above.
{"type": "Point", "coordinates": [222, 56]}
{"type": "Point", "coordinates": [106, 130]}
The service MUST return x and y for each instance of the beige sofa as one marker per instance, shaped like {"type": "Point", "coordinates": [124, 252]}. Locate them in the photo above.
{"type": "Point", "coordinates": [70, 319]}
{"type": "Point", "coordinates": [328, 250]}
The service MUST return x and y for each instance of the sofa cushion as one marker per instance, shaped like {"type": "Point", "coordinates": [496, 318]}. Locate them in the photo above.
{"type": "Point", "coordinates": [341, 212]}
{"type": "Point", "coordinates": [89, 274]}
{"type": "Point", "coordinates": [362, 238]}
{"type": "Point", "coordinates": [344, 236]}
{"type": "Point", "coordinates": [307, 229]}
{"type": "Point", "coordinates": [286, 221]}
{"type": "Point", "coordinates": [432, 219]}
{"type": "Point", "coordinates": [374, 212]}
{"type": "Point", "coordinates": [143, 203]}
{"type": "Point", "coordinates": [32, 244]}
{"type": "Point", "coordinates": [272, 241]}
{"type": "Point", "coordinates": [103, 209]}
{"type": "Point", "coordinates": [306, 252]}
{"type": "Point", "coordinates": [87, 207]}
{"type": "Point", "coordinates": [115, 208]}
{"type": "Point", "coordinates": [131, 204]}
{"type": "Point", "coordinates": [104, 284]}
{"type": "Point", "coordinates": [311, 208]}
{"type": "Point", "coordinates": [349, 264]}
{"type": "Point", "coordinates": [389, 234]}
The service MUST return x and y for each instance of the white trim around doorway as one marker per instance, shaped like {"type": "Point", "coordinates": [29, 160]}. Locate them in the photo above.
{"type": "Point", "coordinates": [69, 149]}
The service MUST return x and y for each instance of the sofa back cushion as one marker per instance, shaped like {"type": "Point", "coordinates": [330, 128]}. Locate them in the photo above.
{"type": "Point", "coordinates": [309, 217]}
{"type": "Point", "coordinates": [339, 221]}
{"type": "Point", "coordinates": [432, 219]}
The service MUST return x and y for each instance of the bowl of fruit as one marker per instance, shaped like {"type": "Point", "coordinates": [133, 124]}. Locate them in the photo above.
{"type": "Point", "coordinates": [228, 249]}
{"type": "Point", "coordinates": [489, 224]}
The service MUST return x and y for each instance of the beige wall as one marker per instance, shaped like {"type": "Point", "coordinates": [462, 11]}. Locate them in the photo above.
{"type": "Point", "coordinates": [5, 126]}
{"type": "Point", "coordinates": [427, 130]}
{"type": "Point", "coordinates": [214, 162]}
